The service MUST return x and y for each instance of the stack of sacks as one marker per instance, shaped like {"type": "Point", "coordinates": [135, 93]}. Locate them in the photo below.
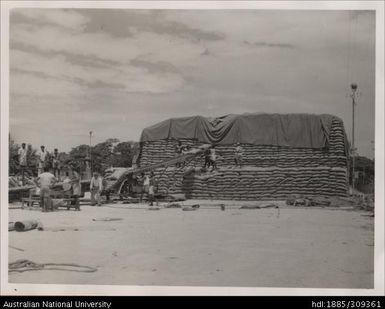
{"type": "Point", "coordinates": [253, 183]}
{"type": "Point", "coordinates": [268, 172]}
{"type": "Point", "coordinates": [257, 155]}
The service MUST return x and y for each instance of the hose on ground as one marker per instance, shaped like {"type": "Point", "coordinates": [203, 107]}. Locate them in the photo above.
{"type": "Point", "coordinates": [27, 265]}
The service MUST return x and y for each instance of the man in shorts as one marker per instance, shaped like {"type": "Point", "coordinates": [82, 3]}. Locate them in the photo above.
{"type": "Point", "coordinates": [45, 181]}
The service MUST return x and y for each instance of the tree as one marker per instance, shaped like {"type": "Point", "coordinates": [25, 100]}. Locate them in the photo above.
{"type": "Point", "coordinates": [102, 155]}
{"type": "Point", "coordinates": [110, 153]}
{"type": "Point", "coordinates": [364, 167]}
{"type": "Point", "coordinates": [124, 153]}
{"type": "Point", "coordinates": [32, 160]}
{"type": "Point", "coordinates": [13, 149]}
{"type": "Point", "coordinates": [77, 156]}
{"type": "Point", "coordinates": [113, 153]}
{"type": "Point", "coordinates": [79, 152]}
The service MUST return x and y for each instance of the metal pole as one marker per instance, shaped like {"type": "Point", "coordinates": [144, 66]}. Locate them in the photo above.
{"type": "Point", "coordinates": [353, 95]}
{"type": "Point", "coordinates": [90, 153]}
{"type": "Point", "coordinates": [353, 150]}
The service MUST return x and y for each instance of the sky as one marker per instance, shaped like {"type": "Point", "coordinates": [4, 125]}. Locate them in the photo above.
{"type": "Point", "coordinates": [117, 71]}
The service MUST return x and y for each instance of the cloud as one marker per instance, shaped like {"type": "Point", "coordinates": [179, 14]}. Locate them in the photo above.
{"type": "Point", "coordinates": [56, 39]}
{"type": "Point", "coordinates": [37, 86]}
{"type": "Point", "coordinates": [127, 22]}
{"type": "Point", "coordinates": [60, 17]}
{"type": "Point", "coordinates": [145, 46]}
{"type": "Point", "coordinates": [269, 44]}
{"type": "Point", "coordinates": [156, 22]}
{"type": "Point", "coordinates": [127, 77]}
{"type": "Point", "coordinates": [154, 67]}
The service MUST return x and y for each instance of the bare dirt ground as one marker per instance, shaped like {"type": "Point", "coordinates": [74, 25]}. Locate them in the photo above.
{"type": "Point", "coordinates": [285, 247]}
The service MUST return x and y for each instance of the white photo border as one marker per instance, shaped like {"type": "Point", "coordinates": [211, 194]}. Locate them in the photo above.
{"type": "Point", "coordinates": [109, 290]}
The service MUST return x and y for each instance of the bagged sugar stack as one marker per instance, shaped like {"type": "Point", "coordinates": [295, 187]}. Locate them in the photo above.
{"type": "Point", "coordinates": [277, 159]}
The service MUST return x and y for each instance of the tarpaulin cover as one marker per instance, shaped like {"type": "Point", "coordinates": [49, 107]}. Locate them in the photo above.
{"type": "Point", "coordinates": [293, 130]}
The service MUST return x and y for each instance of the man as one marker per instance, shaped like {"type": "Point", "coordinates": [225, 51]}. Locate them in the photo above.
{"type": "Point", "coordinates": [207, 158]}
{"type": "Point", "coordinates": [67, 185]}
{"type": "Point", "coordinates": [45, 181]}
{"type": "Point", "coordinates": [22, 154]}
{"type": "Point", "coordinates": [151, 189]}
{"type": "Point", "coordinates": [29, 156]}
{"type": "Point", "coordinates": [185, 150]}
{"type": "Point", "coordinates": [178, 151]}
{"type": "Point", "coordinates": [42, 159]}
{"type": "Point", "coordinates": [213, 158]}
{"type": "Point", "coordinates": [76, 188]}
{"type": "Point", "coordinates": [146, 185]}
{"type": "Point", "coordinates": [96, 187]}
{"type": "Point", "coordinates": [238, 153]}
{"type": "Point", "coordinates": [56, 163]}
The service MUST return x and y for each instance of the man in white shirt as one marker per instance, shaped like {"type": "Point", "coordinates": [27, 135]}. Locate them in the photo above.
{"type": "Point", "coordinates": [76, 187]}
{"type": "Point", "coordinates": [145, 183]}
{"type": "Point", "coordinates": [45, 181]}
{"type": "Point", "coordinates": [151, 189]}
{"type": "Point", "coordinates": [238, 154]}
{"type": "Point", "coordinates": [42, 157]}
{"type": "Point", "coordinates": [22, 153]}
{"type": "Point", "coordinates": [96, 187]}
{"type": "Point", "coordinates": [213, 158]}
{"type": "Point", "coordinates": [56, 164]}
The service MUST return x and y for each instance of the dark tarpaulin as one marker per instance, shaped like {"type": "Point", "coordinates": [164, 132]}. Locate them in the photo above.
{"type": "Point", "coordinates": [292, 130]}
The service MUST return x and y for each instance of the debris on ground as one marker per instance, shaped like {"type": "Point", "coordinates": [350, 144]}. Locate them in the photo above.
{"type": "Point", "coordinates": [11, 226]}
{"type": "Point", "coordinates": [260, 206]}
{"type": "Point", "coordinates": [108, 219]}
{"type": "Point", "coordinates": [15, 206]}
{"type": "Point", "coordinates": [190, 208]}
{"type": "Point", "coordinates": [347, 203]}
{"type": "Point", "coordinates": [76, 229]}
{"type": "Point", "coordinates": [250, 207]}
{"type": "Point", "coordinates": [173, 205]}
{"type": "Point", "coordinates": [131, 200]}
{"type": "Point", "coordinates": [291, 199]}
{"type": "Point", "coordinates": [27, 265]}
{"type": "Point", "coordinates": [176, 197]}
{"type": "Point", "coordinates": [23, 226]}
{"type": "Point", "coordinates": [270, 205]}
{"type": "Point", "coordinates": [59, 202]}
{"type": "Point", "coordinates": [355, 202]}
{"type": "Point", "coordinates": [153, 208]}
{"type": "Point", "coordinates": [303, 202]}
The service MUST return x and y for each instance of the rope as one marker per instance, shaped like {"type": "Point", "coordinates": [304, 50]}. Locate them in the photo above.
{"type": "Point", "coordinates": [27, 265]}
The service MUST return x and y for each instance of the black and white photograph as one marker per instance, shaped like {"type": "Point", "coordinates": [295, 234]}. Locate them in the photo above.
{"type": "Point", "coordinates": [198, 146]}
